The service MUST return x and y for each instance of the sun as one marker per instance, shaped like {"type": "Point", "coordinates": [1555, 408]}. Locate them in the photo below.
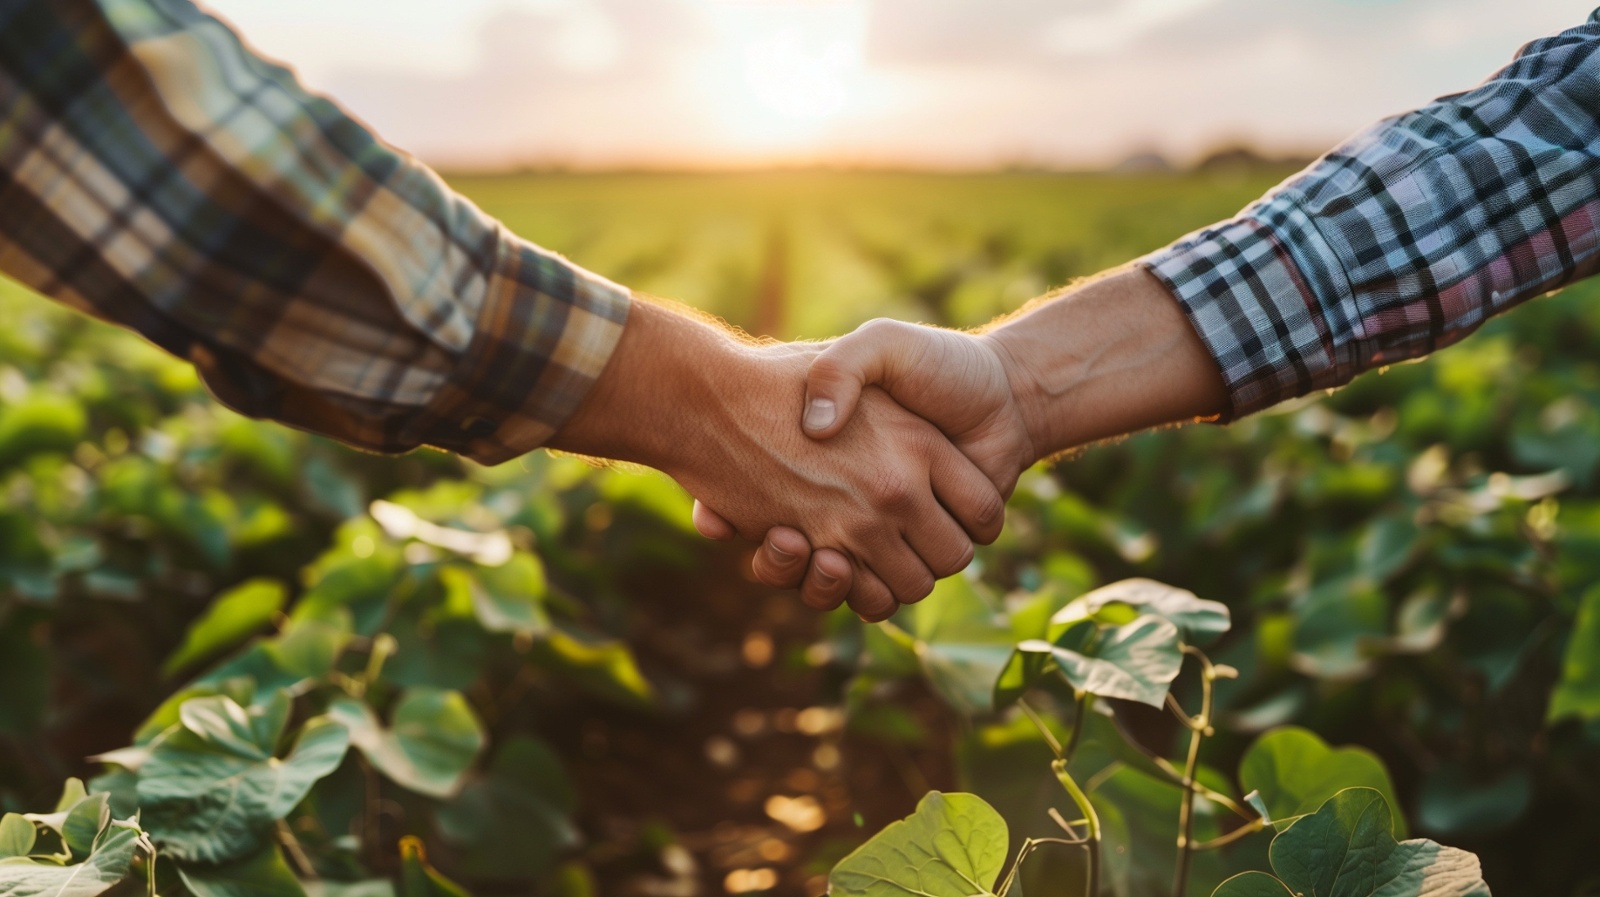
{"type": "Point", "coordinates": [782, 71]}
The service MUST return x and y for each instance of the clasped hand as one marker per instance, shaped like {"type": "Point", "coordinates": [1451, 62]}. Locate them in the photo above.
{"type": "Point", "coordinates": [950, 403]}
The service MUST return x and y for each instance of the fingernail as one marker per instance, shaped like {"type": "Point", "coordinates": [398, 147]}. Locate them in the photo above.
{"type": "Point", "coordinates": [820, 414]}
{"type": "Point", "coordinates": [779, 553]}
{"type": "Point", "coordinates": [824, 579]}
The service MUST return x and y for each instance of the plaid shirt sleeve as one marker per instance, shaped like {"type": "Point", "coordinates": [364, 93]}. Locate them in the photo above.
{"type": "Point", "coordinates": [157, 173]}
{"type": "Point", "coordinates": [1407, 237]}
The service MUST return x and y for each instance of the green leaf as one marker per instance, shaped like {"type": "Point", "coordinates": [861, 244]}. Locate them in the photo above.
{"type": "Point", "coordinates": [307, 650]}
{"type": "Point", "coordinates": [234, 616]}
{"type": "Point", "coordinates": [1253, 884]}
{"type": "Point", "coordinates": [84, 823]}
{"type": "Point", "coordinates": [262, 874]}
{"type": "Point", "coordinates": [39, 423]}
{"type": "Point", "coordinates": [954, 845]}
{"type": "Point", "coordinates": [110, 862]}
{"type": "Point", "coordinates": [1578, 691]}
{"type": "Point", "coordinates": [1346, 849]}
{"type": "Point", "coordinates": [1134, 662]}
{"type": "Point", "coordinates": [1196, 617]}
{"type": "Point", "coordinates": [603, 667]}
{"type": "Point", "coordinates": [962, 643]}
{"type": "Point", "coordinates": [17, 836]}
{"type": "Point", "coordinates": [418, 879]}
{"type": "Point", "coordinates": [513, 821]}
{"type": "Point", "coordinates": [507, 598]}
{"type": "Point", "coordinates": [79, 818]}
{"type": "Point", "coordinates": [1295, 772]}
{"type": "Point", "coordinates": [431, 746]}
{"type": "Point", "coordinates": [212, 788]}
{"type": "Point", "coordinates": [1022, 671]}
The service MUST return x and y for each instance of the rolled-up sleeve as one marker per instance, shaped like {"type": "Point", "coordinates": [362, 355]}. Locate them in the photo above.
{"type": "Point", "coordinates": [157, 173]}
{"type": "Point", "coordinates": [1407, 237]}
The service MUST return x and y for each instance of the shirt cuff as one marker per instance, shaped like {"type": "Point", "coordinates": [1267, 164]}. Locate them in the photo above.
{"type": "Point", "coordinates": [1261, 290]}
{"type": "Point", "coordinates": [544, 334]}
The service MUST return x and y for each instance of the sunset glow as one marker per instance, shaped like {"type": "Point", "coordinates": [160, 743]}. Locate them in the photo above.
{"type": "Point", "coordinates": [777, 74]}
{"type": "Point", "coordinates": [946, 83]}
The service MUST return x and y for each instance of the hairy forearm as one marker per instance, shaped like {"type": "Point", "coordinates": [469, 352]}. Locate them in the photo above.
{"type": "Point", "coordinates": [654, 402]}
{"type": "Point", "coordinates": [1112, 357]}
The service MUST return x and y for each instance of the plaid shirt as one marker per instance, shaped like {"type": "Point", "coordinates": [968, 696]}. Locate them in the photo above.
{"type": "Point", "coordinates": [157, 173]}
{"type": "Point", "coordinates": [1409, 236]}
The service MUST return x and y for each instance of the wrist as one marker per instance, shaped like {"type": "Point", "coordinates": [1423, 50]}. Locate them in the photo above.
{"type": "Point", "coordinates": [649, 404]}
{"type": "Point", "coordinates": [1111, 358]}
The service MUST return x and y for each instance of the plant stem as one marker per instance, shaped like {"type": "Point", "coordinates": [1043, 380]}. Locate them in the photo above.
{"type": "Point", "coordinates": [1077, 724]}
{"type": "Point", "coordinates": [291, 846]}
{"type": "Point", "coordinates": [1249, 828]}
{"type": "Point", "coordinates": [1044, 730]}
{"type": "Point", "coordinates": [1198, 728]}
{"type": "Point", "coordinates": [1091, 821]}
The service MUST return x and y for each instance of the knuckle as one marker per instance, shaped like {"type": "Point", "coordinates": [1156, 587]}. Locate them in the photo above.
{"type": "Point", "coordinates": [919, 588]}
{"type": "Point", "coordinates": [826, 367]}
{"type": "Point", "coordinates": [893, 492]}
{"type": "Point", "coordinates": [878, 327]}
{"type": "Point", "coordinates": [957, 562]}
{"type": "Point", "coordinates": [990, 517]}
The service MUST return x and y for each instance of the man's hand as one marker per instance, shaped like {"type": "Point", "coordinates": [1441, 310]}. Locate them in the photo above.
{"type": "Point", "coordinates": [1111, 357]}
{"type": "Point", "coordinates": [719, 417]}
{"type": "Point", "coordinates": [955, 380]}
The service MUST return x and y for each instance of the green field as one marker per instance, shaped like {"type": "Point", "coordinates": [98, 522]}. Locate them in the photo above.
{"type": "Point", "coordinates": [580, 697]}
{"type": "Point", "coordinates": [809, 255]}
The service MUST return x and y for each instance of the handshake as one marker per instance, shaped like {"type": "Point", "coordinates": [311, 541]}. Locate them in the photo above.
{"type": "Point", "coordinates": [869, 466]}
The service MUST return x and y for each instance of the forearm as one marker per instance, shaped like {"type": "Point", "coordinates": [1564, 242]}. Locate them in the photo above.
{"type": "Point", "coordinates": [662, 394]}
{"type": "Point", "coordinates": [314, 275]}
{"type": "Point", "coordinates": [1112, 357]}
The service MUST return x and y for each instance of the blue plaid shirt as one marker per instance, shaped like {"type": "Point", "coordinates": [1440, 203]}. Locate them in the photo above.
{"type": "Point", "coordinates": [1407, 237]}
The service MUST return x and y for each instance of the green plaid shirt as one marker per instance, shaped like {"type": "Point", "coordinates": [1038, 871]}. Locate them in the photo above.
{"type": "Point", "coordinates": [156, 173]}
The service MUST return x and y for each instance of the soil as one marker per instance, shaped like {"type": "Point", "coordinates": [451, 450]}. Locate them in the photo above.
{"type": "Point", "coordinates": [758, 787]}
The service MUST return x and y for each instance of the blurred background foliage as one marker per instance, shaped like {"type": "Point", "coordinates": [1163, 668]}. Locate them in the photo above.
{"type": "Point", "coordinates": [553, 687]}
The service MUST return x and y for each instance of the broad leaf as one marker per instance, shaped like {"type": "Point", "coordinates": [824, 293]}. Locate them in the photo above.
{"type": "Point", "coordinates": [1196, 617]}
{"type": "Point", "coordinates": [306, 650]}
{"type": "Point", "coordinates": [954, 845]}
{"type": "Point", "coordinates": [514, 820]}
{"type": "Point", "coordinates": [507, 598]}
{"type": "Point", "coordinates": [262, 874]}
{"type": "Point", "coordinates": [234, 616]}
{"type": "Point", "coordinates": [1135, 662]}
{"type": "Point", "coordinates": [602, 667]}
{"type": "Point", "coordinates": [433, 742]}
{"type": "Point", "coordinates": [1295, 771]}
{"type": "Point", "coordinates": [17, 836]}
{"type": "Point", "coordinates": [1346, 849]}
{"type": "Point", "coordinates": [1578, 692]}
{"type": "Point", "coordinates": [212, 787]}
{"type": "Point", "coordinates": [962, 643]}
{"type": "Point", "coordinates": [1022, 671]}
{"type": "Point", "coordinates": [114, 848]}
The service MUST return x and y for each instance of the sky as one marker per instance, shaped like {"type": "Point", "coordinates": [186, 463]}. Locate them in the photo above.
{"type": "Point", "coordinates": [916, 83]}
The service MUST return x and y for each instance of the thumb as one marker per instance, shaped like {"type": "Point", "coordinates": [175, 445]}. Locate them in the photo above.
{"type": "Point", "coordinates": [873, 354]}
{"type": "Point", "coordinates": [710, 524]}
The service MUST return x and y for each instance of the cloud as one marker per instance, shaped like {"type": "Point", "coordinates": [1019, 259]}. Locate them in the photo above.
{"type": "Point", "coordinates": [945, 82]}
